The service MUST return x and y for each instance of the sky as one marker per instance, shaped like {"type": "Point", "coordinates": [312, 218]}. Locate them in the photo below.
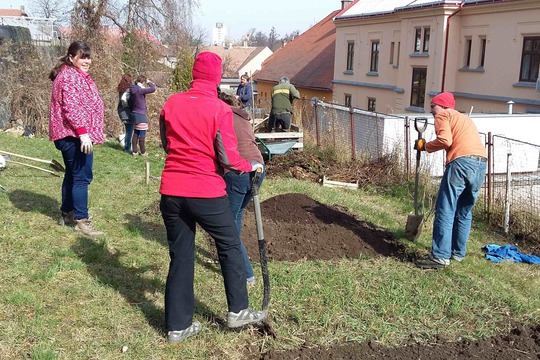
{"type": "Point", "coordinates": [239, 16]}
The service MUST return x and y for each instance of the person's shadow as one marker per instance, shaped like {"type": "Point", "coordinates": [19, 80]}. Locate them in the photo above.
{"type": "Point", "coordinates": [152, 231]}
{"type": "Point", "coordinates": [130, 282]}
{"type": "Point", "coordinates": [28, 201]}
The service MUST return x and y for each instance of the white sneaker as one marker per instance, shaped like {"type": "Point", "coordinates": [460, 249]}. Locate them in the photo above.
{"type": "Point", "coordinates": [175, 337]}
{"type": "Point", "coordinates": [244, 317]}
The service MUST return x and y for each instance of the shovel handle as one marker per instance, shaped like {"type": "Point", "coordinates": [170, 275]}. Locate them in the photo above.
{"type": "Point", "coordinates": [255, 182]}
{"type": "Point", "coordinates": [420, 124]}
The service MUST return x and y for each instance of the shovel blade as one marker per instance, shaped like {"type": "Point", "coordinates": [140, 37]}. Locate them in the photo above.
{"type": "Point", "coordinates": [57, 166]}
{"type": "Point", "coordinates": [413, 227]}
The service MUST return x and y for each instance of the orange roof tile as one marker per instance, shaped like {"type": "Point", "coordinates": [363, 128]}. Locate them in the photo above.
{"type": "Point", "coordinates": [13, 12]}
{"type": "Point", "coordinates": [308, 60]}
{"type": "Point", "coordinates": [233, 58]}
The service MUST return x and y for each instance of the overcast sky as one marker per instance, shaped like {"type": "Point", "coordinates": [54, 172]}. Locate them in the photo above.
{"type": "Point", "coordinates": [239, 16]}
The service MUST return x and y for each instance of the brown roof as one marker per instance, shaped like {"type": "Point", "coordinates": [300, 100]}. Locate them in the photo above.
{"type": "Point", "coordinates": [13, 12]}
{"type": "Point", "coordinates": [308, 60]}
{"type": "Point", "coordinates": [233, 58]}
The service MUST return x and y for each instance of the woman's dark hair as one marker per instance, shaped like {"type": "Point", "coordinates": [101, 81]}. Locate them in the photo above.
{"type": "Point", "coordinates": [78, 47]}
{"type": "Point", "coordinates": [124, 84]}
{"type": "Point", "coordinates": [229, 99]}
{"type": "Point", "coordinates": [141, 79]}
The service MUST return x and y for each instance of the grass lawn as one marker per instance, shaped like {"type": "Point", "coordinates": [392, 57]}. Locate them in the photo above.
{"type": "Point", "coordinates": [63, 296]}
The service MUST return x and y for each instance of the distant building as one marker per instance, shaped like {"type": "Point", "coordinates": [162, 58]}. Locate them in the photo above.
{"type": "Point", "coordinates": [394, 56]}
{"type": "Point", "coordinates": [237, 61]}
{"type": "Point", "coordinates": [308, 61]}
{"type": "Point", "coordinates": [219, 34]}
{"type": "Point", "coordinates": [42, 30]}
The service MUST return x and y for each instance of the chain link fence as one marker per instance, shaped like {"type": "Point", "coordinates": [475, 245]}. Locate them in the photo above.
{"type": "Point", "coordinates": [511, 194]}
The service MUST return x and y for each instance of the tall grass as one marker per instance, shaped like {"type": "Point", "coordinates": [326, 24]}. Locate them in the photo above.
{"type": "Point", "coordinates": [63, 296]}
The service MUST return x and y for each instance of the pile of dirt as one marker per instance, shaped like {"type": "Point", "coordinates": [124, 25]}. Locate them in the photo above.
{"type": "Point", "coordinates": [523, 342]}
{"type": "Point", "coordinates": [297, 227]}
{"type": "Point", "coordinates": [305, 165]}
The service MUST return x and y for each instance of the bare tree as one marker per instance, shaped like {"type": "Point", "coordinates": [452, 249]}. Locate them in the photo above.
{"type": "Point", "coordinates": [51, 9]}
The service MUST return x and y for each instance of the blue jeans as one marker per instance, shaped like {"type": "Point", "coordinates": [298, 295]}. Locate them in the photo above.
{"type": "Point", "coordinates": [180, 216]}
{"type": "Point", "coordinates": [239, 192]}
{"type": "Point", "coordinates": [129, 134]}
{"type": "Point", "coordinates": [77, 177]}
{"type": "Point", "coordinates": [459, 189]}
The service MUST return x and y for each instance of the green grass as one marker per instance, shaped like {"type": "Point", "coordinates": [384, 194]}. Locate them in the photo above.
{"type": "Point", "coordinates": [63, 296]}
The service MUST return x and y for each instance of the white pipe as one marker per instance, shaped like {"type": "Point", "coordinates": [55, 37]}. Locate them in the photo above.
{"type": "Point", "coordinates": [510, 107]}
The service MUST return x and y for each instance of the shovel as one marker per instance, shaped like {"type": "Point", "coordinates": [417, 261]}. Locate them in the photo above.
{"type": "Point", "coordinates": [414, 222]}
{"type": "Point", "coordinates": [55, 165]}
{"type": "Point", "coordinates": [34, 167]}
{"type": "Point", "coordinates": [262, 249]}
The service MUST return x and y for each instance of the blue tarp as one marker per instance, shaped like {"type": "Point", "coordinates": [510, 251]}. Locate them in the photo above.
{"type": "Point", "coordinates": [498, 253]}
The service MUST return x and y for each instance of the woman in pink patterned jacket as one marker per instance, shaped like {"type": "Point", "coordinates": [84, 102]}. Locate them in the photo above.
{"type": "Point", "coordinates": [75, 124]}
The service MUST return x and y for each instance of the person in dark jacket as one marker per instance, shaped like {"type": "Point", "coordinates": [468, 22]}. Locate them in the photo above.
{"type": "Point", "coordinates": [283, 95]}
{"type": "Point", "coordinates": [239, 185]}
{"type": "Point", "coordinates": [124, 112]}
{"type": "Point", "coordinates": [197, 134]}
{"type": "Point", "coordinates": [245, 93]}
{"type": "Point", "coordinates": [138, 93]}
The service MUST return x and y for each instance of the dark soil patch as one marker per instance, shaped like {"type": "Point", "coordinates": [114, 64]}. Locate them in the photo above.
{"type": "Point", "coordinates": [297, 227]}
{"type": "Point", "coordinates": [522, 342]}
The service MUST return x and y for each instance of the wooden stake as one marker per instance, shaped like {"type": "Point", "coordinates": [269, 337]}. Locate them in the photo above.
{"type": "Point", "coordinates": [147, 172]}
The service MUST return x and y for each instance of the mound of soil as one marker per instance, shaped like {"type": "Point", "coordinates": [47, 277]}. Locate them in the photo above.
{"type": "Point", "coordinates": [298, 227]}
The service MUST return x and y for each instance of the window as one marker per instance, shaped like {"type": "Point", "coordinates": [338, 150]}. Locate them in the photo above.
{"type": "Point", "coordinates": [374, 64]}
{"type": "Point", "coordinates": [418, 87]}
{"type": "Point", "coordinates": [468, 50]}
{"type": "Point", "coordinates": [530, 59]}
{"type": "Point", "coordinates": [421, 39]}
{"type": "Point", "coordinates": [482, 51]}
{"type": "Point", "coordinates": [417, 39]}
{"type": "Point", "coordinates": [350, 55]}
{"type": "Point", "coordinates": [398, 49]}
{"type": "Point", "coordinates": [425, 47]}
{"type": "Point", "coordinates": [392, 46]}
{"type": "Point", "coordinates": [348, 100]}
{"type": "Point", "coordinates": [371, 104]}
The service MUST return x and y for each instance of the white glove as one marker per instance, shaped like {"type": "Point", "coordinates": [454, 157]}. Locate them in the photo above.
{"type": "Point", "coordinates": [255, 166]}
{"type": "Point", "coordinates": [86, 144]}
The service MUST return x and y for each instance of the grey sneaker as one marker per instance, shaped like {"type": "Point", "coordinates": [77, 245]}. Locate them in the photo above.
{"type": "Point", "coordinates": [175, 337]}
{"type": "Point", "coordinates": [67, 218]}
{"type": "Point", "coordinates": [84, 226]}
{"type": "Point", "coordinates": [251, 280]}
{"type": "Point", "coordinates": [431, 262]}
{"type": "Point", "coordinates": [457, 258]}
{"type": "Point", "coordinates": [244, 317]}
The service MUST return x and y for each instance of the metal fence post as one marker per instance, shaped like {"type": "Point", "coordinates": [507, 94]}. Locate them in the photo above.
{"type": "Point", "coordinates": [507, 194]}
{"type": "Point", "coordinates": [317, 135]}
{"type": "Point", "coordinates": [489, 175]}
{"type": "Point", "coordinates": [407, 160]}
{"type": "Point", "coordinates": [353, 143]}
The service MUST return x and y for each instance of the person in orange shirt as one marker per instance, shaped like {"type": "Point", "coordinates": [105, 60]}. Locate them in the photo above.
{"type": "Point", "coordinates": [460, 185]}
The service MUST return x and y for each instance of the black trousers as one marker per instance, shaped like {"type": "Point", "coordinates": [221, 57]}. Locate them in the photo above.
{"type": "Point", "coordinates": [180, 216]}
{"type": "Point", "coordinates": [277, 120]}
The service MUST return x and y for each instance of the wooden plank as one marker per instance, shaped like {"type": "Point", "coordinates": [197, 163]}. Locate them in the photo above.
{"type": "Point", "coordinates": [339, 184]}
{"type": "Point", "coordinates": [280, 135]}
